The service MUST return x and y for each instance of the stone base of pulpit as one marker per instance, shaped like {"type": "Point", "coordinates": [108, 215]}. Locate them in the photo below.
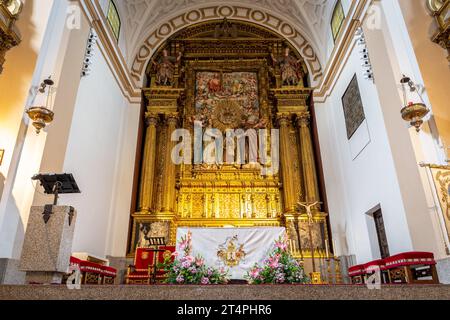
{"type": "Point", "coordinates": [48, 245]}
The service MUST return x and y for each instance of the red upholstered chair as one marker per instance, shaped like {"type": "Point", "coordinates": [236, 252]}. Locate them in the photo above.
{"type": "Point", "coordinates": [144, 265]}
{"type": "Point", "coordinates": [370, 267]}
{"type": "Point", "coordinates": [412, 267]}
{"type": "Point", "coordinates": [357, 274]}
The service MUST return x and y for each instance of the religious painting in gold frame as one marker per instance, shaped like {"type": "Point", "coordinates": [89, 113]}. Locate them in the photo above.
{"type": "Point", "coordinates": [337, 20]}
{"type": "Point", "coordinates": [441, 178]}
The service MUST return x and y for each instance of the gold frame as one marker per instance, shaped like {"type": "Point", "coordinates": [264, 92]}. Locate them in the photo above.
{"type": "Point", "coordinates": [2, 154]}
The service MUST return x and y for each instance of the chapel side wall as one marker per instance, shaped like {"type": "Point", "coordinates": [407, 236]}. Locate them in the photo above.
{"type": "Point", "coordinates": [360, 172]}
{"type": "Point", "coordinates": [100, 154]}
{"type": "Point", "coordinates": [432, 60]}
{"type": "Point", "coordinates": [18, 74]}
{"type": "Point", "coordinates": [15, 83]}
{"type": "Point", "coordinates": [54, 59]}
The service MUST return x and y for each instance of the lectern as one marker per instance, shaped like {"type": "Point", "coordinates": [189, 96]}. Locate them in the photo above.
{"type": "Point", "coordinates": [56, 184]}
{"type": "Point", "coordinates": [48, 242]}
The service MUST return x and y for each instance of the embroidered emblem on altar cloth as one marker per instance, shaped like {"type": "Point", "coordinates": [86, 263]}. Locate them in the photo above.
{"type": "Point", "coordinates": [231, 253]}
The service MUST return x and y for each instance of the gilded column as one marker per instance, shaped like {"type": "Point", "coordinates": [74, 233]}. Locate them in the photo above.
{"type": "Point", "coordinates": [307, 156]}
{"type": "Point", "coordinates": [169, 166]}
{"type": "Point", "coordinates": [286, 162]}
{"type": "Point", "coordinates": [148, 164]}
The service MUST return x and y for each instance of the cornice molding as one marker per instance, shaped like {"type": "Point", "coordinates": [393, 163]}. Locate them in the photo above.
{"type": "Point", "coordinates": [110, 49]}
{"type": "Point", "coordinates": [116, 61]}
{"type": "Point", "coordinates": [341, 52]}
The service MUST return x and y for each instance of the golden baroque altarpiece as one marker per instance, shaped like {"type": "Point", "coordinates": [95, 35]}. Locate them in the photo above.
{"type": "Point", "coordinates": [227, 75]}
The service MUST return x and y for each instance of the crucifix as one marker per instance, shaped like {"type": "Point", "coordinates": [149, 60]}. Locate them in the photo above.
{"type": "Point", "coordinates": [308, 207]}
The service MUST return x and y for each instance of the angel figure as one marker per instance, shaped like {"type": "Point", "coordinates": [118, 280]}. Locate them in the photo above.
{"type": "Point", "coordinates": [165, 68]}
{"type": "Point", "coordinates": [291, 68]}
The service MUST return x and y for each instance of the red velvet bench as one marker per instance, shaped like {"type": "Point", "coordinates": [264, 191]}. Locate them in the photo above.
{"type": "Point", "coordinates": [412, 267]}
{"type": "Point", "coordinates": [357, 273]}
{"type": "Point", "coordinates": [94, 273]}
{"type": "Point", "coordinates": [371, 267]}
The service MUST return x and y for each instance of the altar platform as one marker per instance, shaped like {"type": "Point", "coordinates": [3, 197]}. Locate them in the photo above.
{"type": "Point", "coordinates": [227, 292]}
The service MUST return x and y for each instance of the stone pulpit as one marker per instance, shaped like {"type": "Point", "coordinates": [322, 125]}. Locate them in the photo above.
{"type": "Point", "coordinates": [48, 244]}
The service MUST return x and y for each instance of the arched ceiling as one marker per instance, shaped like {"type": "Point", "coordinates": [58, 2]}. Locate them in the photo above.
{"type": "Point", "coordinates": [308, 17]}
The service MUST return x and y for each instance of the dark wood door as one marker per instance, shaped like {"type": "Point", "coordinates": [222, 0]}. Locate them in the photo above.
{"type": "Point", "coordinates": [381, 234]}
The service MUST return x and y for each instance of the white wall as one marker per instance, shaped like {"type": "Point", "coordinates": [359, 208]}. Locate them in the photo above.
{"type": "Point", "coordinates": [100, 143]}
{"type": "Point", "coordinates": [94, 136]}
{"type": "Point", "coordinates": [359, 174]}
{"type": "Point", "coordinates": [379, 165]}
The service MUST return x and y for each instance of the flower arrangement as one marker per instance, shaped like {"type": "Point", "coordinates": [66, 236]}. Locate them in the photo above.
{"type": "Point", "coordinates": [187, 269]}
{"type": "Point", "coordinates": [279, 268]}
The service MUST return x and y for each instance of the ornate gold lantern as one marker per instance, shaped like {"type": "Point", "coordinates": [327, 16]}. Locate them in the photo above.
{"type": "Point", "coordinates": [40, 115]}
{"type": "Point", "coordinates": [414, 109]}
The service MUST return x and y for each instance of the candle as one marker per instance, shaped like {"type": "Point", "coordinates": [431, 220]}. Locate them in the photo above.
{"type": "Point", "coordinates": [326, 249]}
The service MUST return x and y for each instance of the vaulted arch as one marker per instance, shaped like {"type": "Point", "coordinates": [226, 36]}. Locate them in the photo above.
{"type": "Point", "coordinates": [154, 37]}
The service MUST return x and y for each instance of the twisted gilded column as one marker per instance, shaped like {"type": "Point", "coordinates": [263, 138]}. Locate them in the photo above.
{"type": "Point", "coordinates": [286, 162]}
{"type": "Point", "coordinates": [148, 163]}
{"type": "Point", "coordinates": [307, 156]}
{"type": "Point", "coordinates": [169, 166]}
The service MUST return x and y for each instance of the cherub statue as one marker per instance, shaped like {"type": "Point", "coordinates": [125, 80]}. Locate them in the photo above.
{"type": "Point", "coordinates": [165, 68]}
{"type": "Point", "coordinates": [291, 68]}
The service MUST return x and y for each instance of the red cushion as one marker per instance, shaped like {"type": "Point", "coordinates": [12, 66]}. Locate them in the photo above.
{"type": "Point", "coordinates": [410, 258]}
{"type": "Point", "coordinates": [356, 270]}
{"type": "Point", "coordinates": [109, 271]}
{"type": "Point", "coordinates": [376, 263]}
{"type": "Point", "coordinates": [91, 267]}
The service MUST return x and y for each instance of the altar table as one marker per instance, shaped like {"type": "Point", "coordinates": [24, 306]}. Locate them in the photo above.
{"type": "Point", "coordinates": [235, 249]}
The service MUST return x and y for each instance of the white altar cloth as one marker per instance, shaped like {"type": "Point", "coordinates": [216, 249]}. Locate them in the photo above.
{"type": "Point", "coordinates": [236, 249]}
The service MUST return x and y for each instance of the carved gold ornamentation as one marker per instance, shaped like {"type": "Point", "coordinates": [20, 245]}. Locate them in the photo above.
{"type": "Point", "coordinates": [222, 195]}
{"type": "Point", "coordinates": [440, 10]}
{"type": "Point", "coordinates": [9, 34]}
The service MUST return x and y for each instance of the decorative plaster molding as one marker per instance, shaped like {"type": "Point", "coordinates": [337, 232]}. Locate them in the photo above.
{"type": "Point", "coordinates": [341, 52]}
{"type": "Point", "coordinates": [217, 12]}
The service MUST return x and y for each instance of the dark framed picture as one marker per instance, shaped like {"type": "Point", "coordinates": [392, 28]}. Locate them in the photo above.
{"type": "Point", "coordinates": [353, 108]}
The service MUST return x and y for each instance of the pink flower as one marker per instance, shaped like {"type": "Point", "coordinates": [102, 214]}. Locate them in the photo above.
{"type": "Point", "coordinates": [180, 279]}
{"type": "Point", "coordinates": [274, 261]}
{"type": "Point", "coordinates": [186, 264]}
{"type": "Point", "coordinates": [205, 281]}
{"type": "Point", "coordinates": [255, 273]}
{"type": "Point", "coordinates": [199, 262]}
{"type": "Point", "coordinates": [175, 254]}
{"type": "Point", "coordinates": [281, 245]}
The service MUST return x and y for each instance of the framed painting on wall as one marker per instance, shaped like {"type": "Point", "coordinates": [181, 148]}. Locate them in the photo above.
{"type": "Point", "coordinates": [353, 108]}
